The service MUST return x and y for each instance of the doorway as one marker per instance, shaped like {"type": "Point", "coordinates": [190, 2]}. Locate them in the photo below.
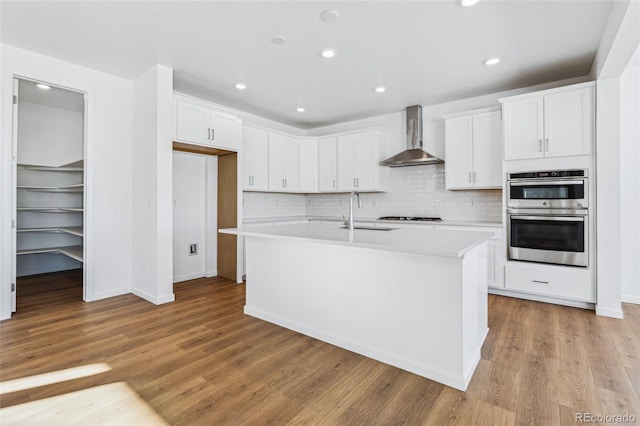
{"type": "Point", "coordinates": [205, 200]}
{"type": "Point", "coordinates": [48, 179]}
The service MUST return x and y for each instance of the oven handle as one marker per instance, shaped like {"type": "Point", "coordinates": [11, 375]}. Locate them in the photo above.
{"type": "Point", "coordinates": [547, 183]}
{"type": "Point", "coordinates": [556, 218]}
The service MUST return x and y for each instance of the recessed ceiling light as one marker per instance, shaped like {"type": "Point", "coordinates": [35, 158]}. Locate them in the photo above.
{"type": "Point", "coordinates": [380, 89]}
{"type": "Point", "coordinates": [329, 53]}
{"type": "Point", "coordinates": [329, 16]}
{"type": "Point", "coordinates": [279, 40]}
{"type": "Point", "coordinates": [43, 86]}
{"type": "Point", "coordinates": [468, 3]}
{"type": "Point", "coordinates": [492, 61]}
{"type": "Point", "coordinates": [241, 86]}
{"type": "Point", "coordinates": [300, 109]}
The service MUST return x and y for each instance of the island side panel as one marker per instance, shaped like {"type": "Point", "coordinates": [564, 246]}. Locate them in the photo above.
{"type": "Point", "coordinates": [475, 309]}
{"type": "Point", "coordinates": [399, 308]}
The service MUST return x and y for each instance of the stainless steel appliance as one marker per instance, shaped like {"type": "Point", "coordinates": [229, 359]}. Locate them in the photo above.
{"type": "Point", "coordinates": [548, 217]}
{"type": "Point", "coordinates": [553, 189]}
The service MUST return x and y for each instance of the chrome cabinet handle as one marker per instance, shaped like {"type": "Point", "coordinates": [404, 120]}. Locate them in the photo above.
{"type": "Point", "coordinates": [208, 134]}
{"type": "Point", "coordinates": [213, 134]}
{"type": "Point", "coordinates": [470, 177]}
{"type": "Point", "coordinates": [475, 177]}
{"type": "Point", "coordinates": [540, 282]}
{"type": "Point", "coordinates": [546, 145]}
{"type": "Point", "coordinates": [539, 145]}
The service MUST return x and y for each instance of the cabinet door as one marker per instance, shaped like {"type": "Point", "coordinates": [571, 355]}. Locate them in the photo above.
{"type": "Point", "coordinates": [458, 152]}
{"type": "Point", "coordinates": [523, 129]}
{"type": "Point", "coordinates": [346, 156]}
{"type": "Point", "coordinates": [487, 149]}
{"type": "Point", "coordinates": [291, 165]}
{"type": "Point", "coordinates": [327, 164]}
{"type": "Point", "coordinates": [255, 160]}
{"type": "Point", "coordinates": [247, 159]}
{"type": "Point", "coordinates": [276, 162]}
{"type": "Point", "coordinates": [568, 123]}
{"type": "Point", "coordinates": [367, 161]}
{"type": "Point", "coordinates": [309, 165]}
{"type": "Point", "coordinates": [225, 131]}
{"type": "Point", "coordinates": [260, 161]}
{"type": "Point", "coordinates": [192, 123]}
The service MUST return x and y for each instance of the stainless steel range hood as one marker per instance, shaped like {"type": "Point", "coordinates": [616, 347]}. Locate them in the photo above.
{"type": "Point", "coordinates": [414, 155]}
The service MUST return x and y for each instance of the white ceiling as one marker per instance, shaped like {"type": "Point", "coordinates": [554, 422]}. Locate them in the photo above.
{"type": "Point", "coordinates": [424, 52]}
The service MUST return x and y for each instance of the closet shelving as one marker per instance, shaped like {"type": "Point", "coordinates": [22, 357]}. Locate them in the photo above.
{"type": "Point", "coordinates": [50, 206]}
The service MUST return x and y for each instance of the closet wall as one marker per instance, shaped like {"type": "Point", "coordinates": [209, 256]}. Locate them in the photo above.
{"type": "Point", "coordinates": [49, 180]}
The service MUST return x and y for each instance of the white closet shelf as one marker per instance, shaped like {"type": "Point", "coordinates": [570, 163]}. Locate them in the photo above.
{"type": "Point", "coordinates": [76, 166]}
{"type": "Point", "coordinates": [67, 188]}
{"type": "Point", "coordinates": [72, 230]}
{"type": "Point", "coordinates": [50, 209]}
{"type": "Point", "coordinates": [74, 252]}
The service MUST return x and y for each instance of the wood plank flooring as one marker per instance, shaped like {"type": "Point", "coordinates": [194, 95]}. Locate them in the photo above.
{"type": "Point", "coordinates": [201, 361]}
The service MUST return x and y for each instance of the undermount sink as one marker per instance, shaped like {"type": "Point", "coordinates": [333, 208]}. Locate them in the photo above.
{"type": "Point", "coordinates": [370, 228]}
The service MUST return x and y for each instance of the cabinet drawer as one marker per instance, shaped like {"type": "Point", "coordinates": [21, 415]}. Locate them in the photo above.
{"type": "Point", "coordinates": [564, 282]}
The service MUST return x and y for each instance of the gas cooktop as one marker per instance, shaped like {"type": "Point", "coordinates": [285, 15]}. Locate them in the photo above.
{"type": "Point", "coordinates": [411, 218]}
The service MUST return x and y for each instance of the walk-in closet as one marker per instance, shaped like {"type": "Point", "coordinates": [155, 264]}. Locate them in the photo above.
{"type": "Point", "coordinates": [49, 151]}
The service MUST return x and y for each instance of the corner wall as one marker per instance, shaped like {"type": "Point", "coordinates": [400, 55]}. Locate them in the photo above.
{"type": "Point", "coordinates": [152, 236]}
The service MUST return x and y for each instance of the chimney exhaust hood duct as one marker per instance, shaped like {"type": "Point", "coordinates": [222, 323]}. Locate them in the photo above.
{"type": "Point", "coordinates": [414, 155]}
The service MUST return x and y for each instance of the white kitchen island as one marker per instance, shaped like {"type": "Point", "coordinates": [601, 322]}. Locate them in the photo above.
{"type": "Point", "coordinates": [412, 298]}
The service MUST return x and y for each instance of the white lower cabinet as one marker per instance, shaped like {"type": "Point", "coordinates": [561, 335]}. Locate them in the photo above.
{"type": "Point", "coordinates": [550, 280]}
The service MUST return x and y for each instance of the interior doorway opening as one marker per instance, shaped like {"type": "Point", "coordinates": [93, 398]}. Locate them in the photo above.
{"type": "Point", "coordinates": [204, 201]}
{"type": "Point", "coordinates": [48, 178]}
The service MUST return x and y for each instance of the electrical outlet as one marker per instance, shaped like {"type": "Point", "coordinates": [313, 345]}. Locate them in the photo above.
{"type": "Point", "coordinates": [193, 249]}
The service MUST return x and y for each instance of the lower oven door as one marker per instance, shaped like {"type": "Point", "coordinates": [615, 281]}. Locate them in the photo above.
{"type": "Point", "coordinates": [556, 239]}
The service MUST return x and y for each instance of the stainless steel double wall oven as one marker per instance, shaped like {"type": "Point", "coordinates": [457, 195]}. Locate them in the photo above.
{"type": "Point", "coordinates": [548, 217]}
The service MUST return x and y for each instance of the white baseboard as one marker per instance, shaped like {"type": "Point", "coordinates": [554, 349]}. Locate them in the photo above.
{"type": "Point", "coordinates": [609, 312]}
{"type": "Point", "coordinates": [209, 274]}
{"type": "Point", "coordinates": [153, 299]}
{"type": "Point", "coordinates": [631, 299]}
{"type": "Point", "coordinates": [107, 294]}
{"type": "Point", "coordinates": [187, 277]}
{"type": "Point", "coordinates": [541, 298]}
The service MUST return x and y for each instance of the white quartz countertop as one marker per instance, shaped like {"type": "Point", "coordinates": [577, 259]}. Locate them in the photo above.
{"type": "Point", "coordinates": [448, 222]}
{"type": "Point", "coordinates": [415, 240]}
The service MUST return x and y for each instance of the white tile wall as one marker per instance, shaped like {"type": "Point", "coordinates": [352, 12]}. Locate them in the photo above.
{"type": "Point", "coordinates": [262, 205]}
{"type": "Point", "coordinates": [414, 191]}
{"type": "Point", "coordinates": [410, 191]}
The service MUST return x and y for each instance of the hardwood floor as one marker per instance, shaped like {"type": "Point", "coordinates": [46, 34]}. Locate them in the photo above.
{"type": "Point", "coordinates": [200, 360]}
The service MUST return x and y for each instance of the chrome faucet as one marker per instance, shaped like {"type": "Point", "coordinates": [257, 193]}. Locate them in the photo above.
{"type": "Point", "coordinates": [350, 223]}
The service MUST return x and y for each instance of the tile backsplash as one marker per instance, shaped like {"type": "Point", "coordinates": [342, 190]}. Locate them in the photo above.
{"type": "Point", "coordinates": [409, 191]}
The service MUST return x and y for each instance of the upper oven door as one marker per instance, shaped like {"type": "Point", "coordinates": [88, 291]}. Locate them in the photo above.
{"type": "Point", "coordinates": [554, 194]}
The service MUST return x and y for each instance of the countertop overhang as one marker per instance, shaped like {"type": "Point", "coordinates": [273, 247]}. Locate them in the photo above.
{"type": "Point", "coordinates": [418, 241]}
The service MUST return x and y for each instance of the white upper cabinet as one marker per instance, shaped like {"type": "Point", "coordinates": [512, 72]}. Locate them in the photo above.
{"type": "Point", "coordinates": [554, 123]}
{"type": "Point", "coordinates": [284, 163]}
{"type": "Point", "coordinates": [327, 165]}
{"type": "Point", "coordinates": [308, 165]}
{"type": "Point", "coordinates": [473, 146]}
{"type": "Point", "coordinates": [255, 154]}
{"type": "Point", "coordinates": [358, 158]}
{"type": "Point", "coordinates": [204, 126]}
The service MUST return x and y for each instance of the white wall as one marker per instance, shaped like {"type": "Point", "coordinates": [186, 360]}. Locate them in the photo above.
{"type": "Point", "coordinates": [619, 42]}
{"type": "Point", "coordinates": [194, 215]}
{"type": "Point", "coordinates": [152, 267]}
{"type": "Point", "coordinates": [49, 136]}
{"type": "Point", "coordinates": [108, 162]}
{"type": "Point", "coordinates": [630, 180]}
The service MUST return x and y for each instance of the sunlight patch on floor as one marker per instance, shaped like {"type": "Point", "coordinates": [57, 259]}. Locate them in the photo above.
{"type": "Point", "coordinates": [44, 379]}
{"type": "Point", "coordinates": [111, 404]}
